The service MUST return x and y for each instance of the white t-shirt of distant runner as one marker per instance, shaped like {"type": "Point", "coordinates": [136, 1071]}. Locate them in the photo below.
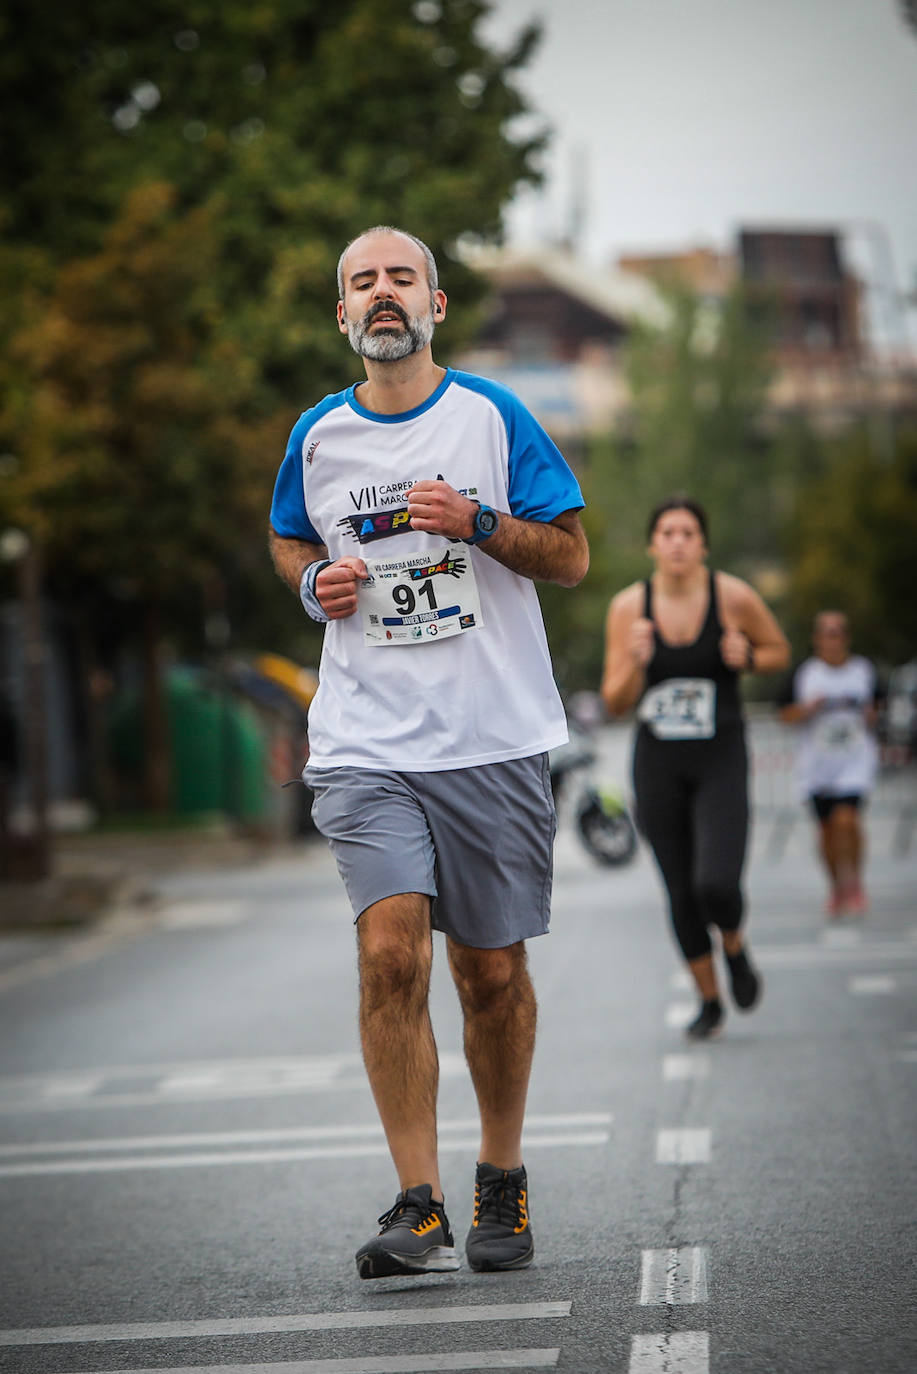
{"type": "Point", "coordinates": [483, 690]}
{"type": "Point", "coordinates": [838, 754]}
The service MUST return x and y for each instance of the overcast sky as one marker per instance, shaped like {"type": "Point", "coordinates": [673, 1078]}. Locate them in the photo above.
{"type": "Point", "coordinates": [691, 117]}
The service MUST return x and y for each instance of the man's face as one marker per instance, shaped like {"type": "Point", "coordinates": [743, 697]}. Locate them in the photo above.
{"type": "Point", "coordinates": [831, 638]}
{"type": "Point", "coordinates": [387, 310]}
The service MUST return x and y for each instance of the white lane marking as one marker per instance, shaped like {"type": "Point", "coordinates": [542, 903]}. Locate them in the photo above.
{"type": "Point", "coordinates": [673, 1277]}
{"type": "Point", "coordinates": [198, 915]}
{"type": "Point", "coordinates": [831, 956]}
{"type": "Point", "coordinates": [869, 984]}
{"type": "Point", "coordinates": [677, 1066]}
{"type": "Point", "coordinates": [77, 1086]}
{"type": "Point", "coordinates": [684, 1145]}
{"type": "Point", "coordinates": [676, 1352]}
{"type": "Point", "coordinates": [202, 1138]}
{"type": "Point", "coordinates": [679, 1014]}
{"type": "Point", "coordinates": [204, 1082]}
{"type": "Point", "coordinates": [681, 981]}
{"type": "Point", "coordinates": [190, 1161]}
{"type": "Point", "coordinates": [209, 1081]}
{"type": "Point", "coordinates": [301, 1321]}
{"type": "Point", "coordinates": [842, 937]}
{"type": "Point", "coordinates": [375, 1364]}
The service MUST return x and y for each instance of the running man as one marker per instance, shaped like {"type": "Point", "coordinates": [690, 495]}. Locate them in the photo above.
{"type": "Point", "coordinates": [833, 696]}
{"type": "Point", "coordinates": [411, 514]}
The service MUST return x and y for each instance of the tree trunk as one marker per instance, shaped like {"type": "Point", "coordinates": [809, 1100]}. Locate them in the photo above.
{"type": "Point", "coordinates": [157, 780]}
{"type": "Point", "coordinates": [38, 847]}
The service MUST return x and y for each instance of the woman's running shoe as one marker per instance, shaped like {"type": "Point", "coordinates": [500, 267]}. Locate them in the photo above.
{"type": "Point", "coordinates": [707, 1022]}
{"type": "Point", "coordinates": [415, 1238]}
{"type": "Point", "coordinates": [744, 980]}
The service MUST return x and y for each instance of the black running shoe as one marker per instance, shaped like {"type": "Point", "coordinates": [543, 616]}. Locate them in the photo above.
{"type": "Point", "coordinates": [500, 1236]}
{"type": "Point", "coordinates": [707, 1022]}
{"type": "Point", "coordinates": [415, 1238]}
{"type": "Point", "coordinates": [746, 983]}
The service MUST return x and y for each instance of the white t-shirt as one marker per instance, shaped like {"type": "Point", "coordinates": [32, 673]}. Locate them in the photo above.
{"type": "Point", "coordinates": [838, 754]}
{"type": "Point", "coordinates": [485, 694]}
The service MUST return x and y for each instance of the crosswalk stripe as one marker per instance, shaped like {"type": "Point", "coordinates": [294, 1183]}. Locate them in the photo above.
{"type": "Point", "coordinates": [120, 1163]}
{"type": "Point", "coordinates": [305, 1321]}
{"type": "Point", "coordinates": [372, 1131]}
{"type": "Point", "coordinates": [375, 1364]}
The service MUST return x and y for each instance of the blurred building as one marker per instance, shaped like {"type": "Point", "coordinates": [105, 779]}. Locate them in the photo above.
{"type": "Point", "coordinates": [827, 367]}
{"type": "Point", "coordinates": [706, 272]}
{"type": "Point", "coordinates": [554, 327]}
{"type": "Point", "coordinates": [553, 330]}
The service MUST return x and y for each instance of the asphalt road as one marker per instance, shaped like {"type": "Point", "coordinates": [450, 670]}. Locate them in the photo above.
{"type": "Point", "coordinates": [189, 1153]}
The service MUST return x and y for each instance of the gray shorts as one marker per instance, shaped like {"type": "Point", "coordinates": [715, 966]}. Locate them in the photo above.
{"type": "Point", "coordinates": [478, 841]}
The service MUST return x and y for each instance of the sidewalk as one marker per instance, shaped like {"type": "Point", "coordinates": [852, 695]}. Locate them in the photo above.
{"type": "Point", "coordinates": [98, 873]}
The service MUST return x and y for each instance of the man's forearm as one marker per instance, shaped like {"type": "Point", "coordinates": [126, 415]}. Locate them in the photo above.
{"type": "Point", "coordinates": [556, 552]}
{"type": "Point", "coordinates": [291, 556]}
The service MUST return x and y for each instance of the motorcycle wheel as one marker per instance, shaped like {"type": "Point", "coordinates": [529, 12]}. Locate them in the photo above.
{"type": "Point", "coordinates": [612, 839]}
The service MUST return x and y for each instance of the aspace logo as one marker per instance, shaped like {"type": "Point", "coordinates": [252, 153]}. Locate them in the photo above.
{"type": "Point", "coordinates": [378, 525]}
{"type": "Point", "coordinates": [452, 567]}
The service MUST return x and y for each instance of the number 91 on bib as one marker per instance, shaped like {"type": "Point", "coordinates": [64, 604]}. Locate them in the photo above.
{"type": "Point", "coordinates": [418, 599]}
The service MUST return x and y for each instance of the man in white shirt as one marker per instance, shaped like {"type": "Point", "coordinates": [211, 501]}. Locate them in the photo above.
{"type": "Point", "coordinates": [833, 698]}
{"type": "Point", "coordinates": [412, 513]}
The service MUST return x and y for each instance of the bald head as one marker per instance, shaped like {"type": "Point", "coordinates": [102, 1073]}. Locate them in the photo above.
{"type": "Point", "coordinates": [387, 230]}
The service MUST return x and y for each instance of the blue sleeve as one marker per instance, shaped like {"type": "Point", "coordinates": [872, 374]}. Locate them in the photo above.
{"type": "Point", "coordinates": [541, 484]}
{"type": "Point", "coordinates": [289, 516]}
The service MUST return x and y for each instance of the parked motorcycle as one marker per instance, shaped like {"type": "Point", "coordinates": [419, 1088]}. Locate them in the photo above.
{"type": "Point", "coordinates": [603, 820]}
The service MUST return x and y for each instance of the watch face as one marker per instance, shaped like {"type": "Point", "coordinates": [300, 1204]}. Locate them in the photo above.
{"type": "Point", "coordinates": [486, 521]}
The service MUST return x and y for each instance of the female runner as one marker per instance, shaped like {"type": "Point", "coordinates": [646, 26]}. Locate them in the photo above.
{"type": "Point", "coordinates": [675, 646]}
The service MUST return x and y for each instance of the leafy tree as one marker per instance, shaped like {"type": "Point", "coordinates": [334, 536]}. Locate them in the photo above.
{"type": "Point", "coordinates": [851, 545]}
{"type": "Point", "coordinates": [176, 197]}
{"type": "Point", "coordinates": [697, 387]}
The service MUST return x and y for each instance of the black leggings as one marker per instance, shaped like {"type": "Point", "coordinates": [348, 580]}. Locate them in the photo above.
{"type": "Point", "coordinates": [692, 807]}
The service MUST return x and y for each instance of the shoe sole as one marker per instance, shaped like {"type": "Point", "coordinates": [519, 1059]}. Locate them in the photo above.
{"type": "Point", "coordinates": [383, 1264]}
{"type": "Point", "coordinates": [487, 1266]}
{"type": "Point", "coordinates": [705, 1035]}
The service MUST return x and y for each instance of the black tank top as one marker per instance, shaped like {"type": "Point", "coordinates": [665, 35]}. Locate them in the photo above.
{"type": "Point", "coordinates": [698, 660]}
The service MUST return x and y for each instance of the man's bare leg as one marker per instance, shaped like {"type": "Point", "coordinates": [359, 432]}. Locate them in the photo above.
{"type": "Point", "coordinates": [499, 1009]}
{"type": "Point", "coordinates": [849, 846]}
{"type": "Point", "coordinates": [396, 953]}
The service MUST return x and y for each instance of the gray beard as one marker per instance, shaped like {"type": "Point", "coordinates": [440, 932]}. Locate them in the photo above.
{"type": "Point", "coordinates": [391, 345]}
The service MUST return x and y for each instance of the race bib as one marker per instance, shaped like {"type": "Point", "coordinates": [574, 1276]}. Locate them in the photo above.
{"type": "Point", "coordinates": [842, 735]}
{"type": "Point", "coordinates": [680, 708]}
{"type": "Point", "coordinates": [420, 598]}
